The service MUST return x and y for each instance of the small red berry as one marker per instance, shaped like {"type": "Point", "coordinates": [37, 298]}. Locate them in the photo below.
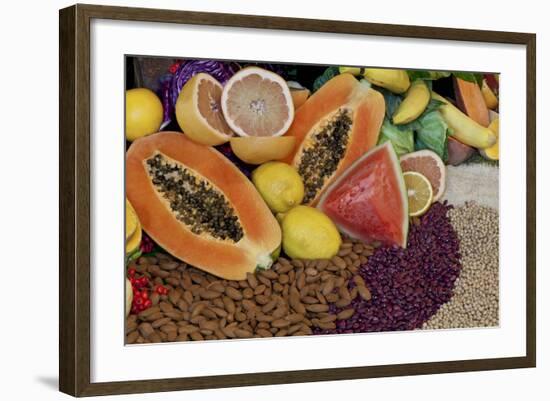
{"type": "Point", "coordinates": [159, 289]}
{"type": "Point", "coordinates": [144, 294]}
{"type": "Point", "coordinates": [131, 272]}
{"type": "Point", "coordinates": [147, 304]}
{"type": "Point", "coordinates": [138, 301]}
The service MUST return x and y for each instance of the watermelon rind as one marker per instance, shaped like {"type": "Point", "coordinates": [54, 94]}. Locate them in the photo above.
{"type": "Point", "coordinates": [387, 147]}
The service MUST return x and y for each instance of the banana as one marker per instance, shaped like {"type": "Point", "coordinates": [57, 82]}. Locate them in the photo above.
{"type": "Point", "coordinates": [129, 297]}
{"type": "Point", "coordinates": [131, 220]}
{"type": "Point", "coordinates": [357, 71]}
{"type": "Point", "coordinates": [133, 229]}
{"type": "Point", "coordinates": [396, 81]}
{"type": "Point", "coordinates": [464, 128]}
{"type": "Point", "coordinates": [414, 104]}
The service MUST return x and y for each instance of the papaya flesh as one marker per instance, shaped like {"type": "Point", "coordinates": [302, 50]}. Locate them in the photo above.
{"type": "Point", "coordinates": [199, 207]}
{"type": "Point", "coordinates": [471, 101]}
{"type": "Point", "coordinates": [333, 128]}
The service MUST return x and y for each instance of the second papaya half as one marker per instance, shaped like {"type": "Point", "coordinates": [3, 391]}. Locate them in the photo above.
{"type": "Point", "coordinates": [333, 128]}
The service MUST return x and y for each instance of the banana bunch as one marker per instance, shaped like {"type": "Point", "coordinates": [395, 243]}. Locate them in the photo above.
{"type": "Point", "coordinates": [417, 97]}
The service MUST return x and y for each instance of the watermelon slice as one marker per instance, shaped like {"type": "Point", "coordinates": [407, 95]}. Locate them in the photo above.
{"type": "Point", "coordinates": [369, 200]}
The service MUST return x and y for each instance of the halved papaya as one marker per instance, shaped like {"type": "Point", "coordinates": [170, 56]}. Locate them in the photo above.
{"type": "Point", "coordinates": [199, 207]}
{"type": "Point", "coordinates": [333, 128]}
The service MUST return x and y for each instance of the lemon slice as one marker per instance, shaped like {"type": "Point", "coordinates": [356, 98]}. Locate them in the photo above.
{"type": "Point", "coordinates": [419, 193]}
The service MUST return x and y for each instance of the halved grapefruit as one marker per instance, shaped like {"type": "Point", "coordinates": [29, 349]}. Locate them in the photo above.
{"type": "Point", "coordinates": [369, 200]}
{"type": "Point", "coordinates": [199, 112]}
{"type": "Point", "coordinates": [257, 102]}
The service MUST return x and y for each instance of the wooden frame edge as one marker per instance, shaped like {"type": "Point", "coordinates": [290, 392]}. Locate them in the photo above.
{"type": "Point", "coordinates": [531, 200]}
{"type": "Point", "coordinates": [67, 131]}
{"type": "Point", "coordinates": [74, 202]}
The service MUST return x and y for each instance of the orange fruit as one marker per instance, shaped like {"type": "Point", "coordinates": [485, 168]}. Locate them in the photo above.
{"type": "Point", "coordinates": [430, 165]}
{"type": "Point", "coordinates": [257, 102]}
{"type": "Point", "coordinates": [258, 150]}
{"type": "Point", "coordinates": [199, 113]}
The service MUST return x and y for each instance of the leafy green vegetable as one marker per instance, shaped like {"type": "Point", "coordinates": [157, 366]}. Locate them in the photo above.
{"type": "Point", "coordinates": [433, 105]}
{"type": "Point", "coordinates": [469, 76]}
{"type": "Point", "coordinates": [329, 73]}
{"type": "Point", "coordinates": [427, 75]}
{"type": "Point", "coordinates": [392, 101]}
{"type": "Point", "coordinates": [401, 137]}
{"type": "Point", "coordinates": [431, 133]}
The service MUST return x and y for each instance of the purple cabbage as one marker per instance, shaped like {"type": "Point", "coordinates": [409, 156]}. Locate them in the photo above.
{"type": "Point", "coordinates": [171, 87]}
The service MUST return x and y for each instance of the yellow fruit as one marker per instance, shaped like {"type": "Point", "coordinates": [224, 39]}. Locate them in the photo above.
{"type": "Point", "coordinates": [351, 70]}
{"type": "Point", "coordinates": [143, 113]}
{"type": "Point", "coordinates": [414, 104]}
{"type": "Point", "coordinates": [134, 238]}
{"type": "Point", "coordinates": [396, 81]}
{"type": "Point", "coordinates": [490, 98]}
{"type": "Point", "coordinates": [131, 220]}
{"type": "Point", "coordinates": [258, 150]}
{"type": "Point", "coordinates": [492, 153]}
{"type": "Point", "coordinates": [129, 297]}
{"type": "Point", "coordinates": [463, 127]}
{"type": "Point", "coordinates": [280, 186]}
{"type": "Point", "coordinates": [419, 193]}
{"type": "Point", "coordinates": [257, 102]}
{"type": "Point", "coordinates": [199, 112]}
{"type": "Point", "coordinates": [309, 234]}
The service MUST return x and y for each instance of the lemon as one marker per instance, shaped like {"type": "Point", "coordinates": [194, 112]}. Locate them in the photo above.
{"type": "Point", "coordinates": [419, 193]}
{"type": "Point", "coordinates": [143, 113]}
{"type": "Point", "coordinates": [280, 186]}
{"type": "Point", "coordinates": [309, 234]}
